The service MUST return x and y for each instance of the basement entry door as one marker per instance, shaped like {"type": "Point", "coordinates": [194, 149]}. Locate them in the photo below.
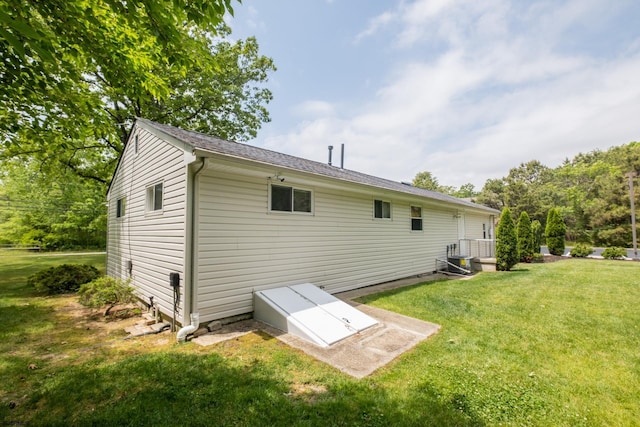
{"type": "Point", "coordinates": [310, 313]}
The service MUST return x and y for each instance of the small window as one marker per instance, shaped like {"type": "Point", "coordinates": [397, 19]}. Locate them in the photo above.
{"type": "Point", "coordinates": [416, 218]}
{"type": "Point", "coordinates": [381, 209]}
{"type": "Point", "coordinates": [154, 197]}
{"type": "Point", "coordinates": [135, 143]}
{"type": "Point", "coordinates": [288, 199]}
{"type": "Point", "coordinates": [484, 231]}
{"type": "Point", "coordinates": [120, 206]}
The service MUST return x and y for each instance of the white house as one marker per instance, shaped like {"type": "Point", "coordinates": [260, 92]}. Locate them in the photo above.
{"type": "Point", "coordinates": [231, 219]}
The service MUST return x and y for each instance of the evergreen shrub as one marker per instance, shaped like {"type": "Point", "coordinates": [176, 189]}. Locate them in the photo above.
{"type": "Point", "coordinates": [555, 232]}
{"type": "Point", "coordinates": [63, 278]}
{"type": "Point", "coordinates": [525, 238]}
{"type": "Point", "coordinates": [581, 250]}
{"type": "Point", "coordinates": [507, 242]}
{"type": "Point", "coordinates": [614, 252]}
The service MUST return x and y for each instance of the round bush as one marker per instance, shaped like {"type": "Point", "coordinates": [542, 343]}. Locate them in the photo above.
{"type": "Point", "coordinates": [581, 250]}
{"type": "Point", "coordinates": [63, 278]}
{"type": "Point", "coordinates": [614, 253]}
{"type": "Point", "coordinates": [106, 291]}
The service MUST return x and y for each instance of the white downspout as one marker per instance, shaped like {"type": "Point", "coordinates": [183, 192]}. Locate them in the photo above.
{"type": "Point", "coordinates": [182, 334]}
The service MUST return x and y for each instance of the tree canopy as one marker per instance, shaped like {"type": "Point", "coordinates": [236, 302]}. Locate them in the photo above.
{"type": "Point", "coordinates": [77, 74]}
{"type": "Point", "coordinates": [590, 192]}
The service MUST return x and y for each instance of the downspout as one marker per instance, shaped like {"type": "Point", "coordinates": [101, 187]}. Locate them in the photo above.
{"type": "Point", "coordinates": [182, 334]}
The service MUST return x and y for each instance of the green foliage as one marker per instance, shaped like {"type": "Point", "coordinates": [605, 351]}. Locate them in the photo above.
{"type": "Point", "coordinates": [581, 250]}
{"type": "Point", "coordinates": [106, 291]}
{"type": "Point", "coordinates": [589, 190]}
{"type": "Point", "coordinates": [536, 234]}
{"type": "Point", "coordinates": [614, 253]}
{"type": "Point", "coordinates": [537, 258]}
{"type": "Point", "coordinates": [54, 211]}
{"type": "Point", "coordinates": [555, 232]}
{"type": "Point", "coordinates": [62, 279]}
{"type": "Point", "coordinates": [427, 181]}
{"type": "Point", "coordinates": [104, 65]}
{"type": "Point", "coordinates": [507, 242]}
{"type": "Point", "coordinates": [525, 237]}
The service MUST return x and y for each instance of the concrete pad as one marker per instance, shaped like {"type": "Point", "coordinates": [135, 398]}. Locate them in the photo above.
{"type": "Point", "coordinates": [361, 354]}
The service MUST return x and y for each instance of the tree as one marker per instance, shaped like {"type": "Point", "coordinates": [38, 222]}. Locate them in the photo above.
{"type": "Point", "coordinates": [536, 234]}
{"type": "Point", "coordinates": [525, 237]}
{"type": "Point", "coordinates": [555, 232]}
{"type": "Point", "coordinates": [506, 245]}
{"type": "Point", "coordinates": [221, 93]}
{"type": "Point", "coordinates": [492, 194]}
{"type": "Point", "coordinates": [54, 211]}
{"type": "Point", "coordinates": [426, 180]}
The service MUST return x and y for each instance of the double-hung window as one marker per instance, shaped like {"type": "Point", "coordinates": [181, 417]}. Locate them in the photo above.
{"type": "Point", "coordinates": [416, 218]}
{"type": "Point", "coordinates": [381, 209]}
{"type": "Point", "coordinates": [154, 197]}
{"type": "Point", "coordinates": [290, 199]}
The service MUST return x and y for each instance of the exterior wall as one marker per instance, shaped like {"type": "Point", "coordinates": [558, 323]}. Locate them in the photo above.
{"type": "Point", "coordinates": [242, 246]}
{"type": "Point", "coordinates": [154, 241]}
{"type": "Point", "coordinates": [478, 228]}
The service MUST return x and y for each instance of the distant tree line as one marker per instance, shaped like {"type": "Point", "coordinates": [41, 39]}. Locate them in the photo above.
{"type": "Point", "coordinates": [590, 193]}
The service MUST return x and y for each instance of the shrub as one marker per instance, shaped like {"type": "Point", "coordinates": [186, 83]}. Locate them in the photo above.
{"type": "Point", "coordinates": [525, 238]}
{"type": "Point", "coordinates": [506, 246]}
{"type": "Point", "coordinates": [614, 253]}
{"type": "Point", "coordinates": [537, 258]}
{"type": "Point", "coordinates": [536, 234]}
{"type": "Point", "coordinates": [106, 291]}
{"type": "Point", "coordinates": [581, 250]}
{"type": "Point", "coordinates": [63, 278]}
{"type": "Point", "coordinates": [555, 232]}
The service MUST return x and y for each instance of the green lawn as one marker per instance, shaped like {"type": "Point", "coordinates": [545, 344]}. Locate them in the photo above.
{"type": "Point", "coordinates": [549, 344]}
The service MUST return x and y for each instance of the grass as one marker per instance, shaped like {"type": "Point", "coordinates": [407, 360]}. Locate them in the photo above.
{"type": "Point", "coordinates": [548, 344]}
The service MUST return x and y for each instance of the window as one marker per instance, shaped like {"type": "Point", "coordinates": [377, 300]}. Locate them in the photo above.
{"type": "Point", "coordinates": [289, 199]}
{"type": "Point", "coordinates": [416, 218]}
{"type": "Point", "coordinates": [120, 205]}
{"type": "Point", "coordinates": [135, 144]}
{"type": "Point", "coordinates": [381, 209]}
{"type": "Point", "coordinates": [154, 197]}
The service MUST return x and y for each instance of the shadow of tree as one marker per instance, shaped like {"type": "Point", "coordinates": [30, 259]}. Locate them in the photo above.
{"type": "Point", "coordinates": [191, 390]}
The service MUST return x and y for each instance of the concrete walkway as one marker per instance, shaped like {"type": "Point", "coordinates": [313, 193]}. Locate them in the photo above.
{"type": "Point", "coordinates": [361, 354]}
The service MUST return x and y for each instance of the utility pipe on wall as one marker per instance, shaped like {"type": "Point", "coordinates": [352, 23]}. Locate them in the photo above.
{"type": "Point", "coordinates": [182, 334]}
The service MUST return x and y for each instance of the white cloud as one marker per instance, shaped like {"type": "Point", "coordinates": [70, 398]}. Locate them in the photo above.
{"type": "Point", "coordinates": [499, 90]}
{"type": "Point", "coordinates": [313, 109]}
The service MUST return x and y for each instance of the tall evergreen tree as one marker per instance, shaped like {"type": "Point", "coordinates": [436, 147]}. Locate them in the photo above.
{"type": "Point", "coordinates": [525, 237]}
{"type": "Point", "coordinates": [555, 232]}
{"type": "Point", "coordinates": [506, 246]}
{"type": "Point", "coordinates": [536, 234]}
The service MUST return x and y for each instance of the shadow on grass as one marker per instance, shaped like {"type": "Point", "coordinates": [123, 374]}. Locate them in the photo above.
{"type": "Point", "coordinates": [186, 389]}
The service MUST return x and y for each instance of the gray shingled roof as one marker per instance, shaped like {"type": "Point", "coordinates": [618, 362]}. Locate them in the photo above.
{"type": "Point", "coordinates": [219, 146]}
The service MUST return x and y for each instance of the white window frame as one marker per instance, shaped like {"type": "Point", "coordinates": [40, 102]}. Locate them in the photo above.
{"type": "Point", "coordinates": [383, 202]}
{"type": "Point", "coordinates": [421, 218]}
{"type": "Point", "coordinates": [293, 191]}
{"type": "Point", "coordinates": [151, 198]}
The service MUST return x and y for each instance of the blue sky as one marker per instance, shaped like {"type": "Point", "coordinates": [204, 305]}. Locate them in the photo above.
{"type": "Point", "coordinates": [465, 89]}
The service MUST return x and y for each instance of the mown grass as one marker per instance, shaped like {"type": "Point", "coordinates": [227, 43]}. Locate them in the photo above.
{"type": "Point", "coordinates": [549, 344]}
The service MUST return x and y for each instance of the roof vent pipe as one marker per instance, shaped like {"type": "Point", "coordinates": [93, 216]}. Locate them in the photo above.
{"type": "Point", "coordinates": [330, 150]}
{"type": "Point", "coordinates": [342, 156]}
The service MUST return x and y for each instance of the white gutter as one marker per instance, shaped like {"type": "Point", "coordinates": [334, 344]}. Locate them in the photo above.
{"type": "Point", "coordinates": [190, 287]}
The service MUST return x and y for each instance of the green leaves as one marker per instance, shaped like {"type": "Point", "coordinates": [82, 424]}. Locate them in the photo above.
{"type": "Point", "coordinates": [507, 244]}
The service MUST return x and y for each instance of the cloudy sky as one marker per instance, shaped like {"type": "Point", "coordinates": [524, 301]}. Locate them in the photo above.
{"type": "Point", "coordinates": [465, 89]}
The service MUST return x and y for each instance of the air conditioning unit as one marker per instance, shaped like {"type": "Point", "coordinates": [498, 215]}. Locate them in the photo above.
{"type": "Point", "coordinates": [460, 264]}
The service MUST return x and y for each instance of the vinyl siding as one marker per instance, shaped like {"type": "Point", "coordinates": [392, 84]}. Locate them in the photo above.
{"type": "Point", "coordinates": [153, 241]}
{"type": "Point", "coordinates": [243, 247]}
